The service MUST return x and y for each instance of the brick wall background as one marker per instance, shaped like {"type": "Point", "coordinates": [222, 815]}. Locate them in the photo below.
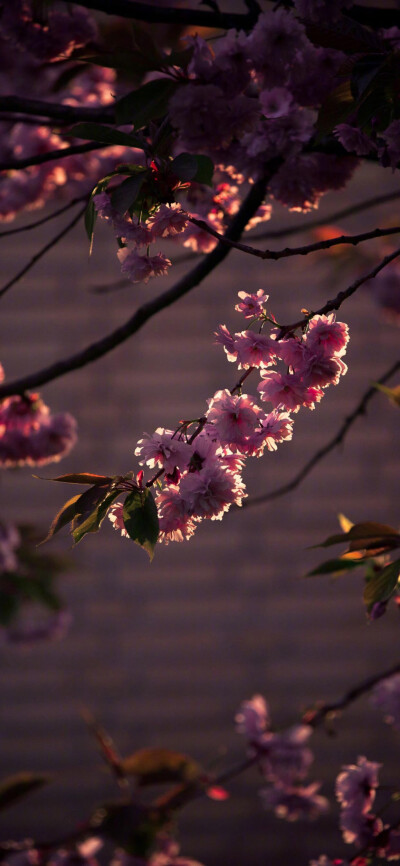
{"type": "Point", "coordinates": [164, 653]}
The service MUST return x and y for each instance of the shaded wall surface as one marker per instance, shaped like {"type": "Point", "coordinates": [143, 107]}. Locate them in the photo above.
{"type": "Point", "coordinates": [163, 654]}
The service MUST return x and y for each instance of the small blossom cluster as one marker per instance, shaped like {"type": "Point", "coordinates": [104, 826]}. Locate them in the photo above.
{"type": "Point", "coordinates": [355, 790]}
{"type": "Point", "coordinates": [283, 759]}
{"type": "Point", "coordinates": [135, 235]}
{"type": "Point", "coordinates": [199, 476]}
{"type": "Point", "coordinates": [27, 52]}
{"type": "Point", "coordinates": [30, 435]}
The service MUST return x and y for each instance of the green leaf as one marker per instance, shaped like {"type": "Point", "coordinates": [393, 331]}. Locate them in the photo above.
{"type": "Point", "coordinates": [155, 766]}
{"type": "Point", "coordinates": [16, 787]}
{"type": "Point", "coordinates": [82, 478]}
{"type": "Point", "coordinates": [105, 134]}
{"type": "Point", "coordinates": [367, 532]}
{"type": "Point", "coordinates": [141, 519]}
{"type": "Point", "coordinates": [125, 195]}
{"type": "Point", "coordinates": [90, 222]}
{"type": "Point", "coordinates": [130, 826]}
{"type": "Point", "coordinates": [205, 169]}
{"type": "Point", "coordinates": [335, 566]}
{"type": "Point", "coordinates": [95, 508]}
{"type": "Point", "coordinates": [190, 166]}
{"type": "Point", "coordinates": [67, 513]}
{"type": "Point", "coordinates": [392, 393]}
{"type": "Point", "coordinates": [147, 103]}
{"type": "Point", "coordinates": [335, 109]}
{"type": "Point", "coordinates": [185, 166]}
{"type": "Point", "coordinates": [382, 586]}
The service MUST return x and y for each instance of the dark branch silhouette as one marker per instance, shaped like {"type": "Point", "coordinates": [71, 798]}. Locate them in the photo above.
{"type": "Point", "coordinates": [57, 111]}
{"type": "Point", "coordinates": [288, 252]}
{"type": "Point", "coordinates": [171, 15]}
{"type": "Point", "coordinates": [45, 219]}
{"type": "Point", "coordinates": [42, 252]}
{"type": "Point", "coordinates": [61, 153]}
{"type": "Point", "coordinates": [146, 311]}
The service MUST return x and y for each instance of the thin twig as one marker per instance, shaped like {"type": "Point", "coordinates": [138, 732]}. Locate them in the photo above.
{"type": "Point", "coordinates": [315, 716]}
{"type": "Point", "coordinates": [60, 153]}
{"type": "Point", "coordinates": [296, 251]}
{"type": "Point", "coordinates": [337, 302]}
{"type": "Point", "coordinates": [45, 219]}
{"type": "Point", "coordinates": [146, 311]}
{"type": "Point", "coordinates": [42, 252]}
{"type": "Point", "coordinates": [326, 449]}
{"type": "Point", "coordinates": [351, 210]}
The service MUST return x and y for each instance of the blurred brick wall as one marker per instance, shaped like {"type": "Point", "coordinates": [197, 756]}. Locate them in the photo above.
{"type": "Point", "coordinates": [164, 653]}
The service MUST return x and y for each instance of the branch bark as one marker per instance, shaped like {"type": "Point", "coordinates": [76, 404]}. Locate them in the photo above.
{"type": "Point", "coordinates": [146, 311]}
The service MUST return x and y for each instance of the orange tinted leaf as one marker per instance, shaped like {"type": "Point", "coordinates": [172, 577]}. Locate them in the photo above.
{"type": "Point", "coordinates": [67, 513]}
{"type": "Point", "coordinates": [154, 766]}
{"type": "Point", "coordinates": [83, 478]}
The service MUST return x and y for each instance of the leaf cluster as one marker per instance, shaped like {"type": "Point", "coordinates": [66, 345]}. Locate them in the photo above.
{"type": "Point", "coordinates": [86, 511]}
{"type": "Point", "coordinates": [369, 544]}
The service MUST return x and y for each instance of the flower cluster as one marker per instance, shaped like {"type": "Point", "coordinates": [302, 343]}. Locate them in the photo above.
{"type": "Point", "coordinates": [30, 435]}
{"type": "Point", "coordinates": [283, 760]}
{"type": "Point", "coordinates": [355, 790]}
{"type": "Point", "coordinates": [198, 475]}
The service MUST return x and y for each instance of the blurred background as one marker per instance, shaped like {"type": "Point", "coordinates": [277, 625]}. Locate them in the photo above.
{"type": "Point", "coordinates": [163, 653]}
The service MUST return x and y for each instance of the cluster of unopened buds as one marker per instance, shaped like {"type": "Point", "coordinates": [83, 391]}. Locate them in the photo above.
{"type": "Point", "coordinates": [198, 466]}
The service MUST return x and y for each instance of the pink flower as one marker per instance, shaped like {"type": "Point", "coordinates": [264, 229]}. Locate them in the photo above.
{"type": "Point", "coordinates": [224, 337]}
{"type": "Point", "coordinates": [293, 803]}
{"type": "Point", "coordinates": [356, 785]}
{"type": "Point", "coordinates": [30, 436]}
{"type": "Point", "coordinates": [140, 268]}
{"type": "Point", "coordinates": [252, 306]}
{"type": "Point", "coordinates": [284, 757]}
{"type": "Point", "coordinates": [276, 102]}
{"type": "Point", "coordinates": [230, 419]}
{"type": "Point", "coordinates": [174, 521]}
{"type": "Point", "coordinates": [254, 350]}
{"type": "Point", "coordinates": [327, 335]}
{"type": "Point", "coordinates": [164, 449]}
{"type": "Point", "coordinates": [253, 718]}
{"type": "Point", "coordinates": [168, 221]}
{"type": "Point", "coordinates": [115, 515]}
{"type": "Point", "coordinates": [320, 370]}
{"type": "Point", "coordinates": [208, 494]}
{"type": "Point", "coordinates": [275, 427]}
{"type": "Point", "coordinates": [287, 391]}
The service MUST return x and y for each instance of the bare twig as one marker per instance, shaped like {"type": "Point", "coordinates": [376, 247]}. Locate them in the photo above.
{"type": "Point", "coordinates": [45, 219]}
{"type": "Point", "coordinates": [337, 302]}
{"type": "Point", "coordinates": [42, 252]}
{"type": "Point", "coordinates": [288, 252]}
{"type": "Point", "coordinates": [315, 716]}
{"type": "Point", "coordinates": [340, 214]}
{"type": "Point", "coordinates": [60, 153]}
{"type": "Point", "coordinates": [326, 449]}
{"type": "Point", "coordinates": [146, 311]}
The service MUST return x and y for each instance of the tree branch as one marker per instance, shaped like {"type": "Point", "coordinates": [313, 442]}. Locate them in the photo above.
{"type": "Point", "coordinates": [96, 350]}
{"type": "Point", "coordinates": [351, 210]}
{"type": "Point", "coordinates": [45, 219]}
{"type": "Point", "coordinates": [326, 449]}
{"type": "Point", "coordinates": [337, 302]}
{"type": "Point", "coordinates": [42, 252]}
{"type": "Point", "coordinates": [315, 716]}
{"type": "Point", "coordinates": [61, 153]}
{"type": "Point", "coordinates": [288, 252]}
{"type": "Point", "coordinates": [57, 111]}
{"type": "Point", "coordinates": [171, 15]}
